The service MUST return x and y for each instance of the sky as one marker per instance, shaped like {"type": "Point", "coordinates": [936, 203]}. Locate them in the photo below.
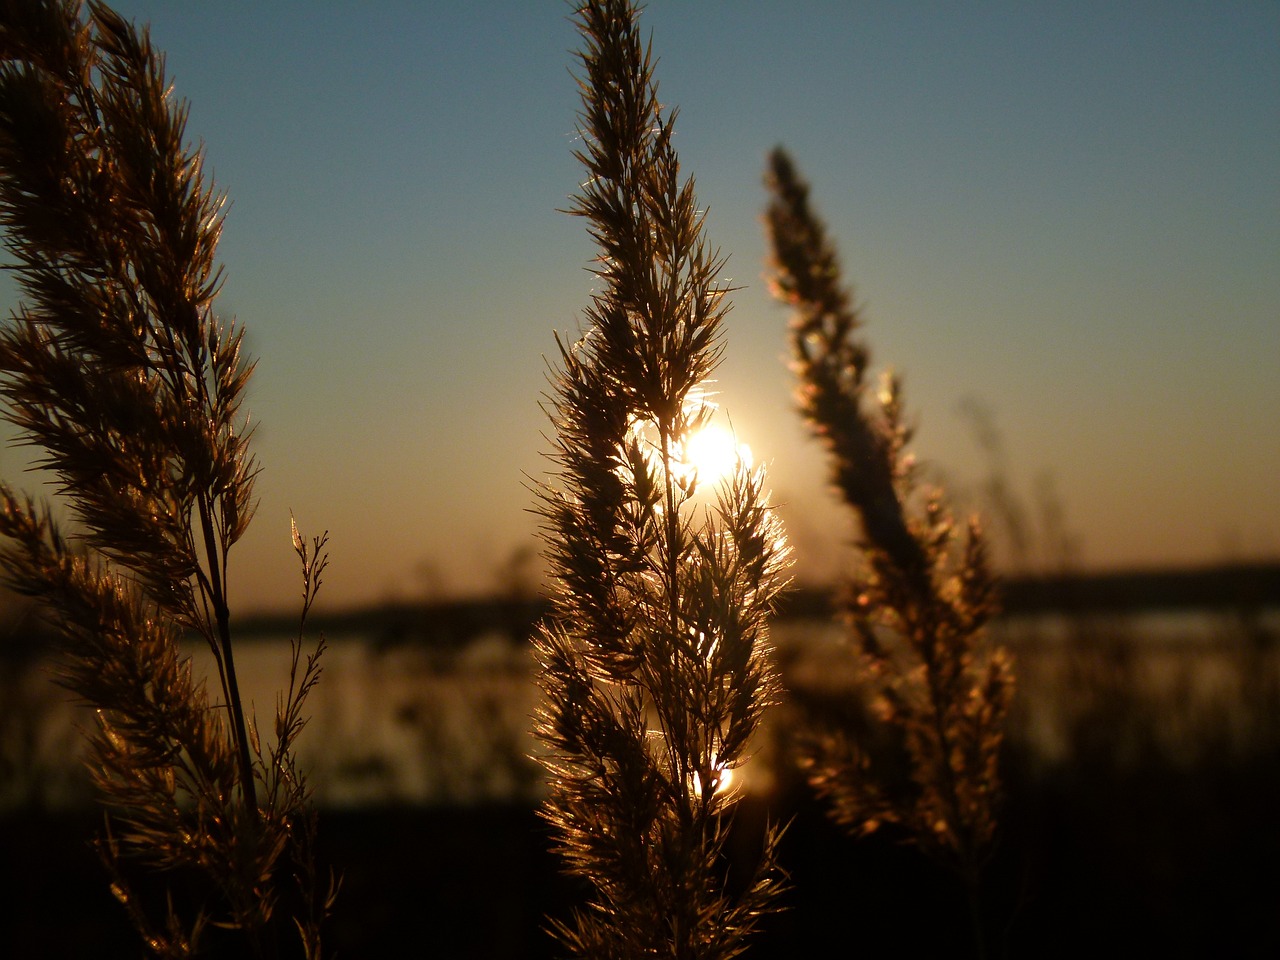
{"type": "Point", "coordinates": [1065, 215]}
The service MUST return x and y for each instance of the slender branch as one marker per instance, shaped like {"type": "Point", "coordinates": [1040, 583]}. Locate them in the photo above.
{"type": "Point", "coordinates": [227, 662]}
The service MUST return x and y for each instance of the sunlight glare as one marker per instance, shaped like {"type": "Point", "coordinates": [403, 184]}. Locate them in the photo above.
{"type": "Point", "coordinates": [713, 452]}
{"type": "Point", "coordinates": [724, 782]}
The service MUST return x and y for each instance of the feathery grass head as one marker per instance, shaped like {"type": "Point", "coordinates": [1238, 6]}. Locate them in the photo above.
{"type": "Point", "coordinates": [654, 667]}
{"type": "Point", "coordinates": [919, 606]}
{"type": "Point", "coordinates": [117, 367]}
{"type": "Point", "coordinates": [115, 363]}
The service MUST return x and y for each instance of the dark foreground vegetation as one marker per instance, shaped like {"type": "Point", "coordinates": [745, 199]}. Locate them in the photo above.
{"type": "Point", "coordinates": [1151, 832]}
{"type": "Point", "coordinates": [1157, 860]}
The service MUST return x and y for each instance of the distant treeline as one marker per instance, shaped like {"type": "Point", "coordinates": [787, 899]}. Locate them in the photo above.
{"type": "Point", "coordinates": [1239, 586]}
{"type": "Point", "coordinates": [450, 625]}
{"type": "Point", "coordinates": [1244, 586]}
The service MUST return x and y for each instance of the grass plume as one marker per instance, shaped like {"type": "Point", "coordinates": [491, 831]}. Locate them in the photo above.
{"type": "Point", "coordinates": [918, 607]}
{"type": "Point", "coordinates": [654, 667]}
{"type": "Point", "coordinates": [117, 367]}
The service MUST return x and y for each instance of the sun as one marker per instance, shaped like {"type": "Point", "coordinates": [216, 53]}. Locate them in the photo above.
{"type": "Point", "coordinates": [713, 454]}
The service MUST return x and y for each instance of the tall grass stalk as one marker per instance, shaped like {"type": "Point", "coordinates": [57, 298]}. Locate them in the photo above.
{"type": "Point", "coordinates": [918, 606]}
{"type": "Point", "coordinates": [654, 667]}
{"type": "Point", "coordinates": [116, 365]}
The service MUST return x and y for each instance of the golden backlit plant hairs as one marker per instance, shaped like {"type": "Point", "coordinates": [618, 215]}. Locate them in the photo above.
{"type": "Point", "coordinates": [918, 606]}
{"type": "Point", "coordinates": [116, 365]}
{"type": "Point", "coordinates": [654, 665]}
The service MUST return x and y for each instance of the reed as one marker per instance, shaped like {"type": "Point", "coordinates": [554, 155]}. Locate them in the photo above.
{"type": "Point", "coordinates": [117, 367]}
{"type": "Point", "coordinates": [654, 665]}
{"type": "Point", "coordinates": [918, 606]}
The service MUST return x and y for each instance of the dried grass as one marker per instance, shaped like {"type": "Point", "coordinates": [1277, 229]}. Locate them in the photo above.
{"type": "Point", "coordinates": [117, 367]}
{"type": "Point", "coordinates": [654, 669]}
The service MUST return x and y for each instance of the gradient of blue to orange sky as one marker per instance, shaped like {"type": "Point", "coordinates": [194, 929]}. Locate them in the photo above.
{"type": "Point", "coordinates": [1069, 212]}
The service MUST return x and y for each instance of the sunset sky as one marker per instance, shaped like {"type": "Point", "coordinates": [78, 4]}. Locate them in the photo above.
{"type": "Point", "coordinates": [1065, 213]}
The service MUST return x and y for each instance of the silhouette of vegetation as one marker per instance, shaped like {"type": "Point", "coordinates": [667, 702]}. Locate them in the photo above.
{"type": "Point", "coordinates": [116, 365]}
{"type": "Point", "coordinates": [918, 606]}
{"type": "Point", "coordinates": [654, 666]}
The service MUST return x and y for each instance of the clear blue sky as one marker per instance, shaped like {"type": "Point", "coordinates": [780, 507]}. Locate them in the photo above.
{"type": "Point", "coordinates": [1069, 212]}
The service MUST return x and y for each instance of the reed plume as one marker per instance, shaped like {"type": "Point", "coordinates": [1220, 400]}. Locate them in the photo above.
{"type": "Point", "coordinates": [654, 665]}
{"type": "Point", "coordinates": [918, 606]}
{"type": "Point", "coordinates": [116, 365]}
